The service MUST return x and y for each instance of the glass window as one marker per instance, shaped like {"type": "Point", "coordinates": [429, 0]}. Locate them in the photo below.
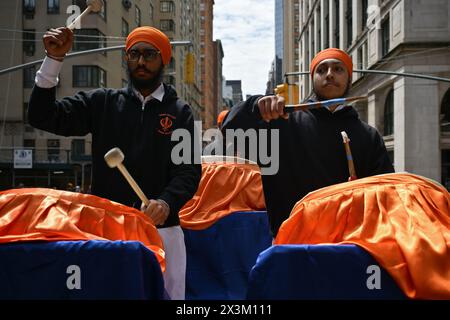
{"type": "Point", "coordinates": [125, 28]}
{"type": "Point", "coordinates": [349, 17]}
{"type": "Point", "coordinates": [389, 114]}
{"type": "Point", "coordinates": [445, 112]}
{"type": "Point", "coordinates": [445, 165]}
{"type": "Point", "coordinates": [88, 76]}
{"type": "Point", "coordinates": [52, 6]}
{"type": "Point", "coordinates": [29, 143]}
{"type": "Point", "coordinates": [80, 3]}
{"type": "Point", "coordinates": [167, 25]}
{"type": "Point", "coordinates": [151, 11]}
{"type": "Point", "coordinates": [29, 42]}
{"type": "Point", "coordinates": [138, 16]}
{"type": "Point", "coordinates": [78, 147]}
{"type": "Point", "coordinates": [169, 6]}
{"type": "Point", "coordinates": [88, 39]}
{"type": "Point", "coordinates": [29, 4]}
{"type": "Point", "coordinates": [336, 26]}
{"type": "Point", "coordinates": [28, 76]}
{"type": "Point", "coordinates": [29, 8]}
{"type": "Point", "coordinates": [25, 112]}
{"type": "Point", "coordinates": [171, 66]}
{"type": "Point", "coordinates": [365, 14]}
{"type": "Point", "coordinates": [385, 37]}
{"type": "Point", "coordinates": [102, 12]}
{"type": "Point", "coordinates": [53, 150]}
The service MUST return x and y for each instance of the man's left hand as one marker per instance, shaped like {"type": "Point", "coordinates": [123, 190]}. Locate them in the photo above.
{"type": "Point", "coordinates": [157, 210]}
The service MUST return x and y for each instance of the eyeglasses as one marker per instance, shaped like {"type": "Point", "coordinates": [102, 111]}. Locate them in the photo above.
{"type": "Point", "coordinates": [149, 55]}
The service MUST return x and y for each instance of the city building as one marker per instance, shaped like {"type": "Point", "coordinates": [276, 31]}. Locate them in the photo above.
{"type": "Point", "coordinates": [33, 158]}
{"type": "Point", "coordinates": [236, 90]}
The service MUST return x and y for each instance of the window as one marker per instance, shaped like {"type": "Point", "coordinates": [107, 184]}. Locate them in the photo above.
{"type": "Point", "coordinates": [360, 58]}
{"type": "Point", "coordinates": [389, 114]}
{"type": "Point", "coordinates": [53, 150]}
{"type": "Point", "coordinates": [88, 76]}
{"type": "Point", "coordinates": [29, 8]}
{"type": "Point", "coordinates": [365, 14]}
{"type": "Point", "coordinates": [326, 43]}
{"type": "Point", "coordinates": [167, 25]}
{"type": "Point", "coordinates": [138, 16]}
{"type": "Point", "coordinates": [29, 4]}
{"type": "Point", "coordinates": [25, 112]}
{"type": "Point", "coordinates": [445, 163]}
{"type": "Point", "coordinates": [171, 66]}
{"type": "Point", "coordinates": [391, 156]}
{"type": "Point", "coordinates": [365, 56]}
{"type": "Point", "coordinates": [125, 28]}
{"type": "Point", "coordinates": [169, 80]}
{"type": "Point", "coordinates": [445, 112]}
{"type": "Point", "coordinates": [102, 12]}
{"type": "Point", "coordinates": [124, 61]}
{"type": "Point", "coordinates": [80, 3]}
{"type": "Point", "coordinates": [336, 26]}
{"type": "Point", "coordinates": [169, 6]}
{"type": "Point", "coordinates": [349, 17]}
{"type": "Point", "coordinates": [29, 42]}
{"type": "Point", "coordinates": [78, 147]}
{"type": "Point", "coordinates": [28, 76]}
{"type": "Point", "coordinates": [385, 37]}
{"type": "Point", "coordinates": [52, 6]}
{"type": "Point", "coordinates": [29, 143]}
{"type": "Point", "coordinates": [88, 39]}
{"type": "Point", "coordinates": [151, 11]}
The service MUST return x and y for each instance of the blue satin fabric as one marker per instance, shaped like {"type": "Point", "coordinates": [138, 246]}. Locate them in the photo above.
{"type": "Point", "coordinates": [107, 270]}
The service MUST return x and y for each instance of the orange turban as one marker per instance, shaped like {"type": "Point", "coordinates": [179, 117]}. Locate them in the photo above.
{"type": "Point", "coordinates": [153, 36]}
{"type": "Point", "coordinates": [332, 53]}
{"type": "Point", "coordinates": [221, 117]}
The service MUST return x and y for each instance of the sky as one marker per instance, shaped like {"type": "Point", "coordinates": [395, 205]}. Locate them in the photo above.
{"type": "Point", "coordinates": [246, 29]}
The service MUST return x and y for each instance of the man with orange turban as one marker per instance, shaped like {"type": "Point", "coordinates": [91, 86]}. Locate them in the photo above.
{"type": "Point", "coordinates": [221, 117]}
{"type": "Point", "coordinates": [138, 119]}
{"type": "Point", "coordinates": [311, 151]}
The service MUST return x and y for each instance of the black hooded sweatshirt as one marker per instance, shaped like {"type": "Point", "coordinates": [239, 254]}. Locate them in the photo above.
{"type": "Point", "coordinates": [311, 152]}
{"type": "Point", "coordinates": [116, 118]}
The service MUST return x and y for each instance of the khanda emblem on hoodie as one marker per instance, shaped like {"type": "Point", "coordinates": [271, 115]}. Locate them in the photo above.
{"type": "Point", "coordinates": [166, 123]}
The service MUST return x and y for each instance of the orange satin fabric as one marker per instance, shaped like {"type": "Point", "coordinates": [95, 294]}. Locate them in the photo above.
{"type": "Point", "coordinates": [53, 215]}
{"type": "Point", "coordinates": [402, 220]}
{"type": "Point", "coordinates": [224, 188]}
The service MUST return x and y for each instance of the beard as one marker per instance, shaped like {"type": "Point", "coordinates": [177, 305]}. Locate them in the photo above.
{"type": "Point", "coordinates": [151, 83]}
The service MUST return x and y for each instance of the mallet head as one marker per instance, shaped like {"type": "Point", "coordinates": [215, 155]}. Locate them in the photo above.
{"type": "Point", "coordinates": [114, 157]}
{"type": "Point", "coordinates": [96, 5]}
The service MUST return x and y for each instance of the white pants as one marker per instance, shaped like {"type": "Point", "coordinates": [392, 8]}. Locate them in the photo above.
{"type": "Point", "coordinates": [175, 249]}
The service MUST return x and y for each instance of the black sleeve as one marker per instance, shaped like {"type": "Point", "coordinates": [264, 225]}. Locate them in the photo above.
{"type": "Point", "coordinates": [244, 115]}
{"type": "Point", "coordinates": [379, 158]}
{"type": "Point", "coordinates": [71, 116]}
{"type": "Point", "coordinates": [184, 177]}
